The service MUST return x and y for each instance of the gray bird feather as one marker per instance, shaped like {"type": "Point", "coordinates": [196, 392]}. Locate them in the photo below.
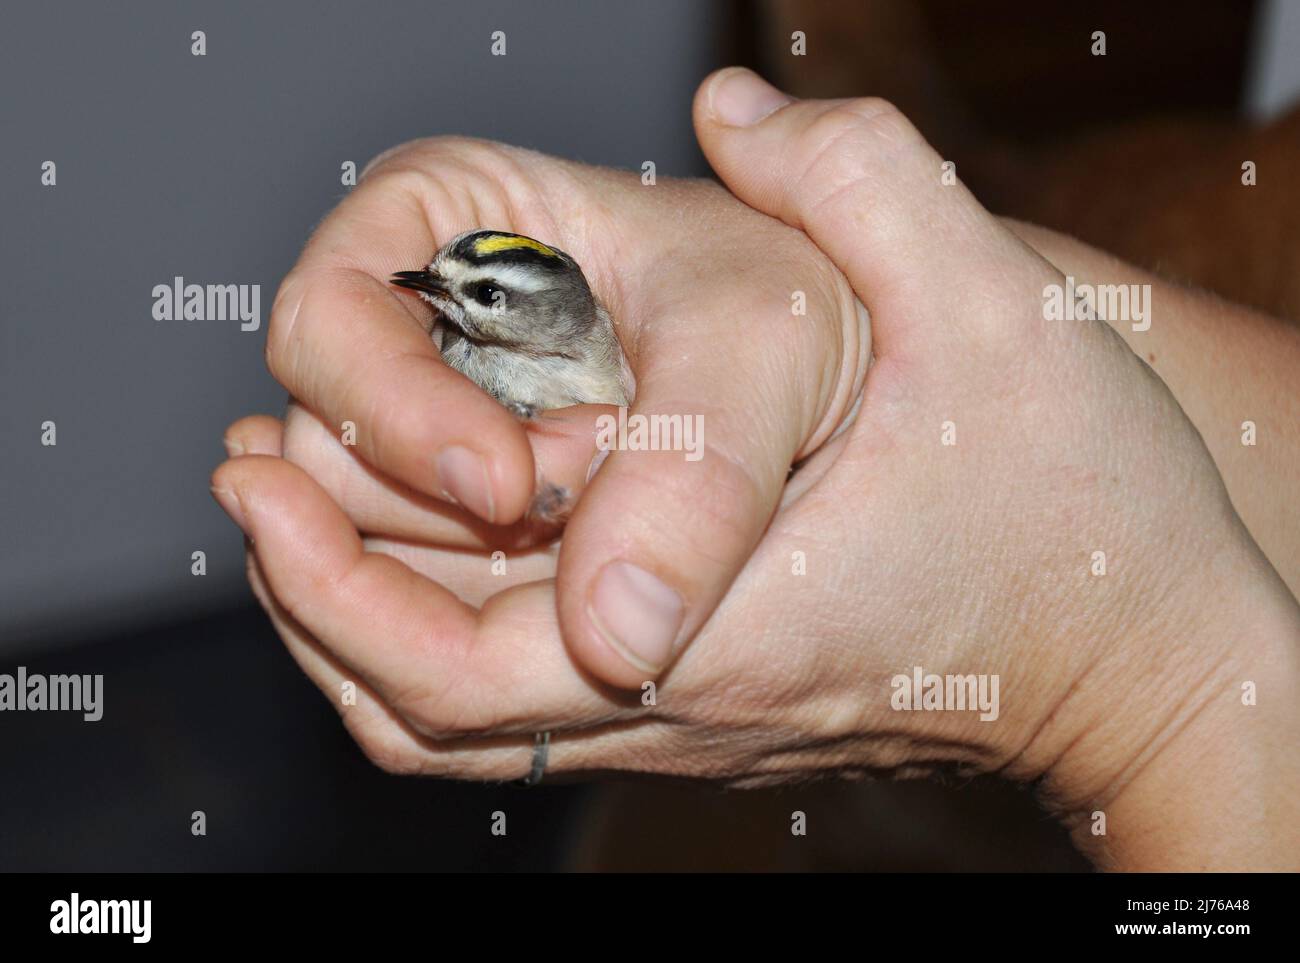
{"type": "Point", "coordinates": [518, 318]}
{"type": "Point", "coordinates": [542, 341]}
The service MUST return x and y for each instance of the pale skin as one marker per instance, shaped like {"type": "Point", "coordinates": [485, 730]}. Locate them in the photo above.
{"type": "Point", "coordinates": [1226, 364]}
{"type": "Point", "coordinates": [1120, 694]}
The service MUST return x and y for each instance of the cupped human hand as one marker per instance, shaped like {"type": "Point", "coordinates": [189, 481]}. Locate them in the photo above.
{"type": "Point", "coordinates": [731, 322]}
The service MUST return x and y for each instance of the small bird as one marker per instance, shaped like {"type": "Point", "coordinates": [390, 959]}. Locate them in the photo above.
{"type": "Point", "coordinates": [519, 319]}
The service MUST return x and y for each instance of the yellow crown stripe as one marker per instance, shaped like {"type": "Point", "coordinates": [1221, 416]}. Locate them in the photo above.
{"type": "Point", "coordinates": [495, 245]}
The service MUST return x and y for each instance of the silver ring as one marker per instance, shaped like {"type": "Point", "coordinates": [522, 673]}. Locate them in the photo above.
{"type": "Point", "coordinates": [541, 748]}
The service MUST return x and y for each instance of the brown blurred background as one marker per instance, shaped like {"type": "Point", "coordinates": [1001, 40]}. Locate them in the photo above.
{"type": "Point", "coordinates": [1138, 152]}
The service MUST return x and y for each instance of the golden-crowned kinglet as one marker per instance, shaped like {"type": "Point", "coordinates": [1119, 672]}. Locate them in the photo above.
{"type": "Point", "coordinates": [518, 318]}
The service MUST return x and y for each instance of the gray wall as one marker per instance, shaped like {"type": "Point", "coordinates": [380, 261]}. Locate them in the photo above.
{"type": "Point", "coordinates": [216, 168]}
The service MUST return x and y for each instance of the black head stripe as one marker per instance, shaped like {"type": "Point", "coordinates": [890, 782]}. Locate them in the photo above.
{"type": "Point", "coordinates": [500, 247]}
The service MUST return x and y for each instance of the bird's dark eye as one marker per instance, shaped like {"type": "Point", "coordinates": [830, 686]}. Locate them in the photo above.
{"type": "Point", "coordinates": [489, 295]}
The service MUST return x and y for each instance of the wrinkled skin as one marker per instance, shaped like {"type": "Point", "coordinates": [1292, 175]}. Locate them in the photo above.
{"type": "Point", "coordinates": [964, 558]}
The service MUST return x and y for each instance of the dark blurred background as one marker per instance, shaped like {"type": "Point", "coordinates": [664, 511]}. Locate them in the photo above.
{"type": "Point", "coordinates": [215, 168]}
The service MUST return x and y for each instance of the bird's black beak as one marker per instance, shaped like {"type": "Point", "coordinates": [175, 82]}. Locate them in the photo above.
{"type": "Point", "coordinates": [424, 281]}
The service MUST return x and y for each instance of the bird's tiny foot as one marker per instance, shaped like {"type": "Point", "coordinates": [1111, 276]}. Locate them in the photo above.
{"type": "Point", "coordinates": [522, 410]}
{"type": "Point", "coordinates": [551, 504]}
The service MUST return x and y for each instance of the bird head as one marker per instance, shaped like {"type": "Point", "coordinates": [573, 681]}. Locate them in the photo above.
{"type": "Point", "coordinates": [501, 288]}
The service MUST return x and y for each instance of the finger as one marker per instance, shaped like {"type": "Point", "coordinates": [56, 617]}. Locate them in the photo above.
{"type": "Point", "coordinates": [383, 735]}
{"type": "Point", "coordinates": [871, 193]}
{"type": "Point", "coordinates": [356, 350]}
{"type": "Point", "coordinates": [393, 745]}
{"type": "Point", "coordinates": [254, 435]}
{"type": "Point", "coordinates": [442, 666]}
{"type": "Point", "coordinates": [473, 577]}
{"type": "Point", "coordinates": [660, 534]}
{"type": "Point", "coordinates": [564, 450]}
{"type": "Point", "coordinates": [563, 444]}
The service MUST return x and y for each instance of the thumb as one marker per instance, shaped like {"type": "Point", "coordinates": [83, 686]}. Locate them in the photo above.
{"type": "Point", "coordinates": [864, 185]}
{"type": "Point", "coordinates": [663, 528]}
{"type": "Point", "coordinates": [692, 473]}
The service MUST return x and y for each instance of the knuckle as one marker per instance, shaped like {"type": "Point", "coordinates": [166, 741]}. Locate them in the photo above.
{"type": "Point", "coordinates": [382, 745]}
{"type": "Point", "coordinates": [401, 176]}
{"type": "Point", "coordinates": [865, 123]}
{"type": "Point", "coordinates": [285, 312]}
{"type": "Point", "coordinates": [394, 156]}
{"type": "Point", "coordinates": [377, 395]}
{"type": "Point", "coordinates": [413, 159]}
{"type": "Point", "coordinates": [849, 139]}
{"type": "Point", "coordinates": [288, 331]}
{"type": "Point", "coordinates": [441, 706]}
{"type": "Point", "coordinates": [307, 444]}
{"type": "Point", "coordinates": [880, 119]}
{"type": "Point", "coordinates": [436, 716]}
{"type": "Point", "coordinates": [730, 489]}
{"type": "Point", "coordinates": [716, 503]}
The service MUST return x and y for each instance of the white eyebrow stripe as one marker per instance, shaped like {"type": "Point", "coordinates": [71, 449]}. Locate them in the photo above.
{"type": "Point", "coordinates": [509, 276]}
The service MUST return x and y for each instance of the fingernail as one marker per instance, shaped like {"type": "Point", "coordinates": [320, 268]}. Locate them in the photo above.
{"type": "Point", "coordinates": [740, 98]}
{"type": "Point", "coordinates": [464, 479]}
{"type": "Point", "coordinates": [596, 462]}
{"type": "Point", "coordinates": [638, 615]}
{"type": "Point", "coordinates": [229, 503]}
{"type": "Point", "coordinates": [233, 448]}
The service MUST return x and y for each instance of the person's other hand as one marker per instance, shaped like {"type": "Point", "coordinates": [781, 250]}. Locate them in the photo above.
{"type": "Point", "coordinates": [1001, 463]}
